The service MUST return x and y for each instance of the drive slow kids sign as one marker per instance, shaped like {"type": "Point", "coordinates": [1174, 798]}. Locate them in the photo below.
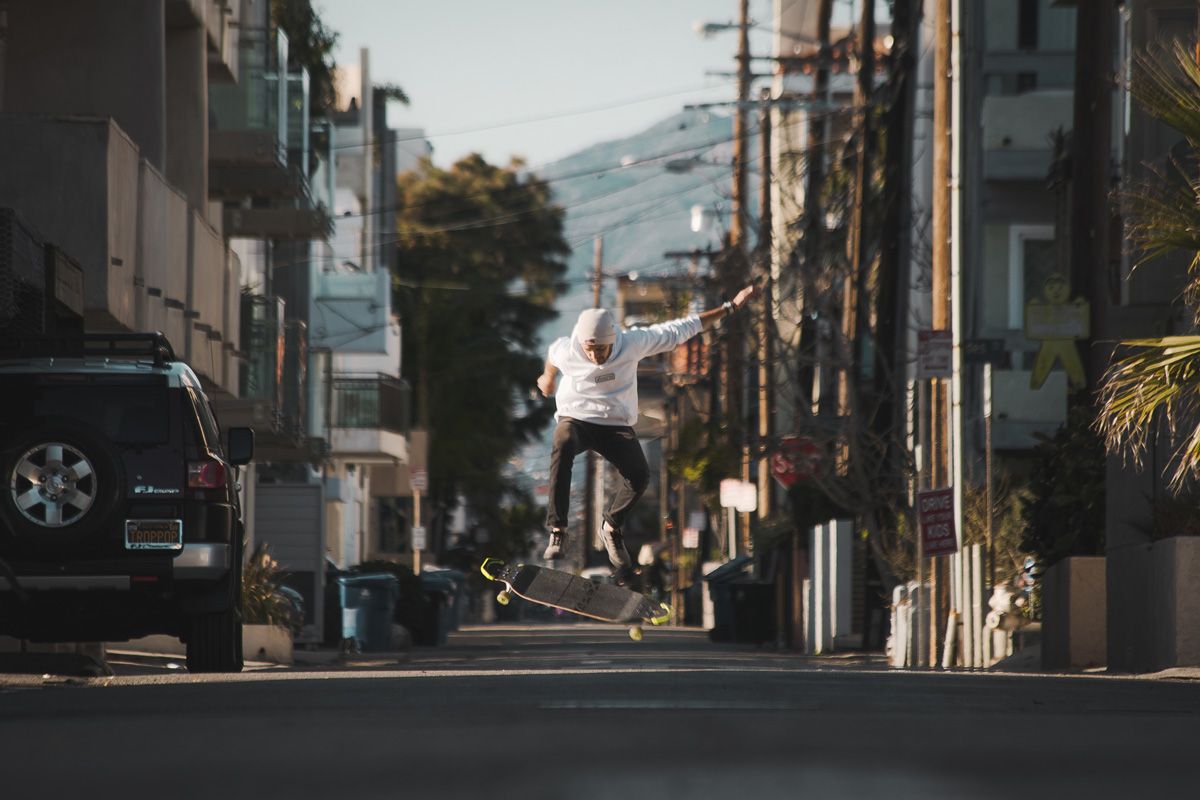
{"type": "Point", "coordinates": [935, 510]}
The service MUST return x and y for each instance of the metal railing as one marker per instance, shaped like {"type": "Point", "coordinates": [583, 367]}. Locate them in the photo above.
{"type": "Point", "coordinates": [256, 102]}
{"type": "Point", "coordinates": [262, 338]}
{"type": "Point", "coordinates": [370, 402]}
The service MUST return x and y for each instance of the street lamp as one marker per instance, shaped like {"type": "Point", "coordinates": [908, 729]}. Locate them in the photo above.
{"type": "Point", "coordinates": [707, 30]}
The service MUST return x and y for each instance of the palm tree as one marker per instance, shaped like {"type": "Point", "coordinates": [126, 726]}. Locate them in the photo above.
{"type": "Point", "coordinates": [1159, 379]}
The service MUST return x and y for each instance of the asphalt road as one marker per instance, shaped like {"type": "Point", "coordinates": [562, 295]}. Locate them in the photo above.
{"type": "Point", "coordinates": [582, 712]}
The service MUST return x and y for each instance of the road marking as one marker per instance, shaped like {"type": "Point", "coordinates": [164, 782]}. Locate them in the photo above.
{"type": "Point", "coordinates": [675, 705]}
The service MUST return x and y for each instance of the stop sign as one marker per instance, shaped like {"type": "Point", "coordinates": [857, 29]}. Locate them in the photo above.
{"type": "Point", "coordinates": [797, 459]}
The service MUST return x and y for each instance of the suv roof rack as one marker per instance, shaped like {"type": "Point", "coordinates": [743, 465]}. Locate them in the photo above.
{"type": "Point", "coordinates": [105, 345]}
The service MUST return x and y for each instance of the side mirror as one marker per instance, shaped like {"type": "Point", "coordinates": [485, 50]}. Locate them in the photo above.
{"type": "Point", "coordinates": [241, 446]}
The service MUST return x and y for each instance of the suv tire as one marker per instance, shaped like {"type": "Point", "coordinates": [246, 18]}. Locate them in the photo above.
{"type": "Point", "coordinates": [215, 642]}
{"type": "Point", "coordinates": [214, 639]}
{"type": "Point", "coordinates": [50, 522]}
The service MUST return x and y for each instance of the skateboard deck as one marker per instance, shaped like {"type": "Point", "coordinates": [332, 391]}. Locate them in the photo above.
{"type": "Point", "coordinates": [558, 589]}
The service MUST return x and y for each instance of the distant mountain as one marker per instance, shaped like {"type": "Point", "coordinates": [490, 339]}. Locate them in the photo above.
{"type": "Point", "coordinates": [645, 208]}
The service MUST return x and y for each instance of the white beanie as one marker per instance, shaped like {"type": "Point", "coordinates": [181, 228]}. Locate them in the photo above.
{"type": "Point", "coordinates": [596, 326]}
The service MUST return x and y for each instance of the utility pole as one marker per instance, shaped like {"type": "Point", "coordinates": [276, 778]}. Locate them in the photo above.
{"type": "Point", "coordinates": [895, 238]}
{"type": "Point", "coordinates": [858, 255]}
{"type": "Point", "coordinates": [814, 222]}
{"type": "Point", "coordinates": [592, 483]}
{"type": "Point", "coordinates": [733, 277]}
{"type": "Point", "coordinates": [1091, 173]}
{"type": "Point", "coordinates": [766, 355]}
{"type": "Point", "coordinates": [941, 289]}
{"type": "Point", "coordinates": [737, 224]}
{"type": "Point", "coordinates": [814, 213]}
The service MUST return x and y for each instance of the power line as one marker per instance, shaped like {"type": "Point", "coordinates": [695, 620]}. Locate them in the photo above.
{"type": "Point", "coordinates": [528, 120]}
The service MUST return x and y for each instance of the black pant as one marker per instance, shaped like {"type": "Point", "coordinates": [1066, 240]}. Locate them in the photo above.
{"type": "Point", "coordinates": [616, 444]}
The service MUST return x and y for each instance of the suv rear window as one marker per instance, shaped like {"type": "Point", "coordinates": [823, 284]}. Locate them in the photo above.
{"type": "Point", "coordinates": [128, 413]}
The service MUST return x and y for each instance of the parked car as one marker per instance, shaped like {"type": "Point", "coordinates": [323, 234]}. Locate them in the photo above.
{"type": "Point", "coordinates": [119, 513]}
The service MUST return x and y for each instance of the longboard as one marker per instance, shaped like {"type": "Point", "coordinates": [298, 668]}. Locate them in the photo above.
{"type": "Point", "coordinates": [563, 590]}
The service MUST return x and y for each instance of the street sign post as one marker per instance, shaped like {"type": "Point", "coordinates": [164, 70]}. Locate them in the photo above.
{"type": "Point", "coordinates": [934, 349]}
{"type": "Point", "coordinates": [419, 481]}
{"type": "Point", "coordinates": [983, 351]}
{"type": "Point", "coordinates": [935, 511]}
{"type": "Point", "coordinates": [737, 496]}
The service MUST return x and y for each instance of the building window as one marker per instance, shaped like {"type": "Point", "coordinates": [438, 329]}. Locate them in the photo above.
{"type": "Point", "coordinates": [1027, 24]}
{"type": "Point", "coordinates": [1026, 82]}
{"type": "Point", "coordinates": [1031, 259]}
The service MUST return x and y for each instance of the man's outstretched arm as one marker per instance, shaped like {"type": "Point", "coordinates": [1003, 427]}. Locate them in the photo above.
{"type": "Point", "coordinates": [666, 336]}
{"type": "Point", "coordinates": [709, 319]}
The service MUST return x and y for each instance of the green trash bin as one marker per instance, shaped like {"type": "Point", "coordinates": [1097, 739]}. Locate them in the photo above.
{"type": "Point", "coordinates": [368, 603]}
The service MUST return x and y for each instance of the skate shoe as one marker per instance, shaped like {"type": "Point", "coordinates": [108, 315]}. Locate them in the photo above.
{"type": "Point", "coordinates": [554, 550]}
{"type": "Point", "coordinates": [614, 543]}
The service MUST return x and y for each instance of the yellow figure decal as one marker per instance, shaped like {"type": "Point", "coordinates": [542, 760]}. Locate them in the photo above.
{"type": "Point", "coordinates": [1057, 323]}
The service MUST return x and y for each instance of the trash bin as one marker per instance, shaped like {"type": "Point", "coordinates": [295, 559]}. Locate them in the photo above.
{"type": "Point", "coordinates": [719, 582]}
{"type": "Point", "coordinates": [441, 592]}
{"type": "Point", "coordinates": [452, 584]}
{"type": "Point", "coordinates": [367, 604]}
{"type": "Point", "coordinates": [753, 605]}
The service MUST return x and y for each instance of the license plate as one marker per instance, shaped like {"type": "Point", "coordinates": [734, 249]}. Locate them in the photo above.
{"type": "Point", "coordinates": [153, 534]}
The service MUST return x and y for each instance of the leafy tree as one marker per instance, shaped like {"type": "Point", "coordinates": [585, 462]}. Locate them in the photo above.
{"type": "Point", "coordinates": [480, 261]}
{"type": "Point", "coordinates": [310, 45]}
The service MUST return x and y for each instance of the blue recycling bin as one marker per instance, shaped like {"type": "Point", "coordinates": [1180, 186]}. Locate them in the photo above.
{"type": "Point", "coordinates": [368, 603]}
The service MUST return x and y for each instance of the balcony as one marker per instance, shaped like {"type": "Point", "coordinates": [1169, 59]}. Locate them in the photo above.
{"type": "Point", "coordinates": [249, 121]}
{"type": "Point", "coordinates": [369, 418]}
{"type": "Point", "coordinates": [266, 202]}
{"type": "Point", "coordinates": [295, 380]}
{"type": "Point", "coordinates": [294, 220]}
{"type": "Point", "coordinates": [351, 311]}
{"type": "Point", "coordinates": [1017, 133]}
{"type": "Point", "coordinates": [281, 385]}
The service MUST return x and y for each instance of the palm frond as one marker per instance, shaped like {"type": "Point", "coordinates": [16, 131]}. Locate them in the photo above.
{"type": "Point", "coordinates": [1163, 213]}
{"type": "Point", "coordinates": [1166, 82]}
{"type": "Point", "coordinates": [1159, 380]}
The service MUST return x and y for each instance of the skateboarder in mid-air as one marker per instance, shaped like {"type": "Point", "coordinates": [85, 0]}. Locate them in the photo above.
{"type": "Point", "coordinates": [597, 406]}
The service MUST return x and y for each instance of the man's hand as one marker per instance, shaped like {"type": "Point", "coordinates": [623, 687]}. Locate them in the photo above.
{"type": "Point", "coordinates": [745, 295]}
{"type": "Point", "coordinates": [547, 382]}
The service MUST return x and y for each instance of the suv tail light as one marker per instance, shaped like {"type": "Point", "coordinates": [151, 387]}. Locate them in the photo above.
{"type": "Point", "coordinates": [206, 475]}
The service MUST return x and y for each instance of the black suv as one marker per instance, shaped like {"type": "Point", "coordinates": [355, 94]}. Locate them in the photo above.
{"type": "Point", "coordinates": [119, 512]}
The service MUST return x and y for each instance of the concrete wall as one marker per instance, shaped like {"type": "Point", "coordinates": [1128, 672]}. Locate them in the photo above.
{"type": "Point", "coordinates": [187, 113]}
{"type": "Point", "coordinates": [1074, 626]}
{"type": "Point", "coordinates": [162, 256]}
{"type": "Point", "coordinates": [1128, 499]}
{"type": "Point", "coordinates": [1175, 602]}
{"type": "Point", "coordinates": [231, 328]}
{"type": "Point", "coordinates": [86, 58]}
{"type": "Point", "coordinates": [76, 181]}
{"type": "Point", "coordinates": [205, 298]}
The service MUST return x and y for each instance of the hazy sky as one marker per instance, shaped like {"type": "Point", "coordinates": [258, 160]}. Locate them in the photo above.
{"type": "Point", "coordinates": [540, 78]}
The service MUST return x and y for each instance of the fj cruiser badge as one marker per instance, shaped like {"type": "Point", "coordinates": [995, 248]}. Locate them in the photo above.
{"type": "Point", "coordinates": [153, 490]}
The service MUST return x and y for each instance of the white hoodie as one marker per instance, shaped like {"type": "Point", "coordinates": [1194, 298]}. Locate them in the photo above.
{"type": "Point", "coordinates": [606, 394]}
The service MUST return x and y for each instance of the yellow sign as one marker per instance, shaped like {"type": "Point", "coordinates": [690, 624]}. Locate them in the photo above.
{"type": "Point", "coordinates": [1057, 323]}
